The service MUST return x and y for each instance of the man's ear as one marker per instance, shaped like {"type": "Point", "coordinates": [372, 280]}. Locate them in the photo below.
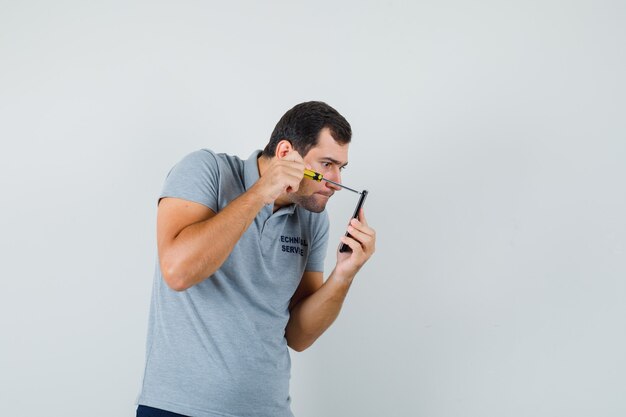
{"type": "Point", "coordinates": [283, 148]}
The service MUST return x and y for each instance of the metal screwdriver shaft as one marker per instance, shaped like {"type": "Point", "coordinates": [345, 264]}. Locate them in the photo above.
{"type": "Point", "coordinates": [316, 176]}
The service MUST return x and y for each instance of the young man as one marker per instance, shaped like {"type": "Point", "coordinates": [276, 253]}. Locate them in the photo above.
{"type": "Point", "coordinates": [241, 248]}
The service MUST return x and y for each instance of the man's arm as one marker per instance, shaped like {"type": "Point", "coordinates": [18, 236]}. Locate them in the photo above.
{"type": "Point", "coordinates": [315, 306]}
{"type": "Point", "coordinates": [194, 241]}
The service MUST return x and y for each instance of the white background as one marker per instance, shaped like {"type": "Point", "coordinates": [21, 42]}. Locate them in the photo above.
{"type": "Point", "coordinates": [492, 138]}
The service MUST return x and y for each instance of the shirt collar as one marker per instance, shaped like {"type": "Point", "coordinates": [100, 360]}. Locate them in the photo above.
{"type": "Point", "coordinates": [251, 175]}
{"type": "Point", "coordinates": [251, 169]}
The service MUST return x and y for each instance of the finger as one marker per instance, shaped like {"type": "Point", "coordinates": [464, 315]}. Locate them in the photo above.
{"type": "Point", "coordinates": [295, 167]}
{"type": "Point", "coordinates": [359, 235]}
{"type": "Point", "coordinates": [363, 227]}
{"type": "Point", "coordinates": [290, 169]}
{"type": "Point", "coordinates": [293, 155]}
{"type": "Point", "coordinates": [364, 234]}
{"type": "Point", "coordinates": [293, 184]}
{"type": "Point", "coordinates": [352, 243]}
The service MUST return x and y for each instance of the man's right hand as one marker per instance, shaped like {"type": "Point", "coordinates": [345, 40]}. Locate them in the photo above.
{"type": "Point", "coordinates": [282, 175]}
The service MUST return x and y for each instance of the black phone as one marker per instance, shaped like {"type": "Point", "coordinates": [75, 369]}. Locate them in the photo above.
{"type": "Point", "coordinates": [344, 247]}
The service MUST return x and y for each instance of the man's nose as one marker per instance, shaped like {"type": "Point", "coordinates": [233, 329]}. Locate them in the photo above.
{"type": "Point", "coordinates": [336, 177]}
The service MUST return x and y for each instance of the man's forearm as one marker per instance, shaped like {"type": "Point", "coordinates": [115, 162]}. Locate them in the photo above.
{"type": "Point", "coordinates": [314, 314]}
{"type": "Point", "coordinates": [201, 248]}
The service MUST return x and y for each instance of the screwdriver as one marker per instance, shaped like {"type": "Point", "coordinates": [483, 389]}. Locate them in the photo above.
{"type": "Point", "coordinates": [316, 176]}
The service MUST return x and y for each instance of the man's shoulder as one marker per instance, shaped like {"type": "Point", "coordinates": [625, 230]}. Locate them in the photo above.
{"type": "Point", "coordinates": [209, 158]}
{"type": "Point", "coordinates": [206, 153]}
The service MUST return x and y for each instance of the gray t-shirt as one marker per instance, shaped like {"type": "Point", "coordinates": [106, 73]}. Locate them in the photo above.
{"type": "Point", "coordinates": [219, 349]}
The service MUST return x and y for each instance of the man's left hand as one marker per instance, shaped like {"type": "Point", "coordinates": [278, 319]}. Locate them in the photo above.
{"type": "Point", "coordinates": [362, 242]}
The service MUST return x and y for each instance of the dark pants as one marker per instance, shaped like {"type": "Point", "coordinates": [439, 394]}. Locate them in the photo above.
{"type": "Point", "coordinates": [145, 411]}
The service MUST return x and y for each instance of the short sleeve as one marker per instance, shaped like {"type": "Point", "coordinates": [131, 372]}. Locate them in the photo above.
{"type": "Point", "coordinates": [319, 243]}
{"type": "Point", "coordinates": [195, 178]}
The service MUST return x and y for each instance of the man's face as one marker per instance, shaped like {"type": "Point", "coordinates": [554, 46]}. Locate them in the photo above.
{"type": "Point", "coordinates": [328, 158]}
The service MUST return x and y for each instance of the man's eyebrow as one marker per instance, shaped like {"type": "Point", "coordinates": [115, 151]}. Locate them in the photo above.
{"type": "Point", "coordinates": [334, 161]}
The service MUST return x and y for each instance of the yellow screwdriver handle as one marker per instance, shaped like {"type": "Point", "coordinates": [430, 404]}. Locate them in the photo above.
{"type": "Point", "coordinates": [313, 175]}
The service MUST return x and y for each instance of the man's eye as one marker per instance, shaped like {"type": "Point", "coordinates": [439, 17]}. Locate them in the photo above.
{"type": "Point", "coordinates": [342, 168]}
{"type": "Point", "coordinates": [326, 164]}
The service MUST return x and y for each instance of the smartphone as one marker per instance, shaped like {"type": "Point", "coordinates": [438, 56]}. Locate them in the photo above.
{"type": "Point", "coordinates": [344, 247]}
